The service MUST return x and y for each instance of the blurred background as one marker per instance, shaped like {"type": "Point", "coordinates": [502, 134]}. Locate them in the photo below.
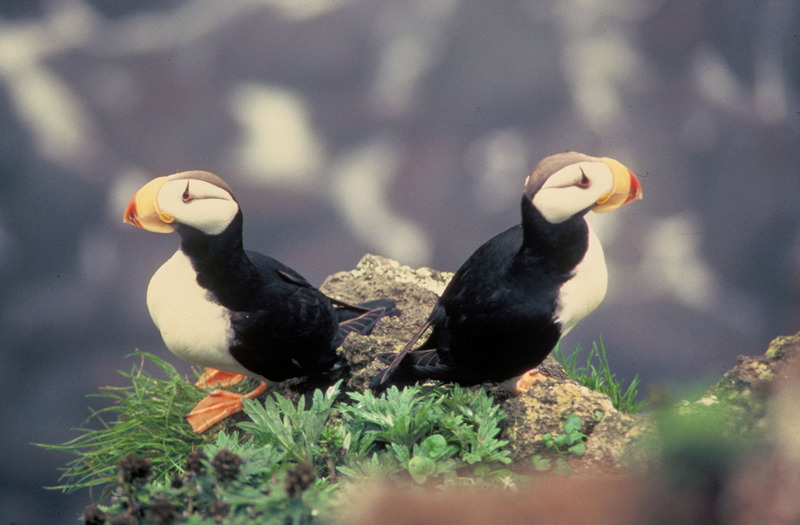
{"type": "Point", "coordinates": [401, 128]}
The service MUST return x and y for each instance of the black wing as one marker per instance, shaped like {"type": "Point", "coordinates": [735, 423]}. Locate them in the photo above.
{"type": "Point", "coordinates": [289, 330]}
{"type": "Point", "coordinates": [484, 323]}
{"type": "Point", "coordinates": [266, 266]}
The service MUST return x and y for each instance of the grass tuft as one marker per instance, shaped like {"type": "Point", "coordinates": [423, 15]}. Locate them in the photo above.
{"type": "Point", "coordinates": [600, 378]}
{"type": "Point", "coordinates": [146, 419]}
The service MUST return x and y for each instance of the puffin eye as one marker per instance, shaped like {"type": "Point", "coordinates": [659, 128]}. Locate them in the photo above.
{"type": "Point", "coordinates": [584, 182]}
{"type": "Point", "coordinates": [186, 197]}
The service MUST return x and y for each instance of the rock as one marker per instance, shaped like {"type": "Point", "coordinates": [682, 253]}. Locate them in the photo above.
{"type": "Point", "coordinates": [765, 487]}
{"type": "Point", "coordinates": [540, 411]}
{"type": "Point", "coordinates": [415, 290]}
{"type": "Point", "coordinates": [544, 408]}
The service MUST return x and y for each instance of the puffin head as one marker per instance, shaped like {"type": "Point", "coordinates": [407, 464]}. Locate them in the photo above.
{"type": "Point", "coordinates": [198, 199]}
{"type": "Point", "coordinates": [569, 184]}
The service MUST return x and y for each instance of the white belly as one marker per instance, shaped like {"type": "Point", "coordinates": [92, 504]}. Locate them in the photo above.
{"type": "Point", "coordinates": [585, 290]}
{"type": "Point", "coordinates": [193, 326]}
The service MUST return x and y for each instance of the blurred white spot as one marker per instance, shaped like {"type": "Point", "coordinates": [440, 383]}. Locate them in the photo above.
{"type": "Point", "coordinates": [294, 10]}
{"type": "Point", "coordinates": [672, 266]}
{"type": "Point", "coordinates": [673, 261]}
{"type": "Point", "coordinates": [500, 161]}
{"type": "Point", "coordinates": [597, 67]}
{"type": "Point", "coordinates": [770, 95]}
{"type": "Point", "coordinates": [60, 125]}
{"type": "Point", "coordinates": [360, 188]}
{"type": "Point", "coordinates": [598, 56]}
{"type": "Point", "coordinates": [772, 92]}
{"type": "Point", "coordinates": [411, 44]}
{"type": "Point", "coordinates": [73, 22]}
{"type": "Point", "coordinates": [716, 82]}
{"type": "Point", "coordinates": [55, 115]}
{"type": "Point", "coordinates": [278, 142]}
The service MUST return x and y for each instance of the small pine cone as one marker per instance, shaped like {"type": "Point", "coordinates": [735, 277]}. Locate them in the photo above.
{"type": "Point", "coordinates": [298, 479]}
{"type": "Point", "coordinates": [133, 468]}
{"type": "Point", "coordinates": [226, 465]}
{"type": "Point", "coordinates": [195, 462]}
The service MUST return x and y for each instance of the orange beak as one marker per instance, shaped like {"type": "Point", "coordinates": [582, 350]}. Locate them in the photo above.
{"type": "Point", "coordinates": [143, 211]}
{"type": "Point", "coordinates": [625, 189]}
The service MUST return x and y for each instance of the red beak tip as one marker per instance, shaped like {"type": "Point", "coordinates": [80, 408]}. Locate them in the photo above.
{"type": "Point", "coordinates": [635, 192]}
{"type": "Point", "coordinates": [130, 214]}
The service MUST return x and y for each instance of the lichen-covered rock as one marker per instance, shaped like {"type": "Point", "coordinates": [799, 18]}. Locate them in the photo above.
{"type": "Point", "coordinates": [544, 408]}
{"type": "Point", "coordinates": [415, 290]}
{"type": "Point", "coordinates": [540, 411]}
{"type": "Point", "coordinates": [754, 380]}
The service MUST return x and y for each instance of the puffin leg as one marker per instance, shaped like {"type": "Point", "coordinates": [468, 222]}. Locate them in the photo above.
{"type": "Point", "coordinates": [213, 378]}
{"type": "Point", "coordinates": [521, 384]}
{"type": "Point", "coordinates": [218, 405]}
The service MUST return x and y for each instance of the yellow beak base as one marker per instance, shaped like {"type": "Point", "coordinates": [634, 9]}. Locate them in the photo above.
{"type": "Point", "coordinates": [625, 189]}
{"type": "Point", "coordinates": [143, 212]}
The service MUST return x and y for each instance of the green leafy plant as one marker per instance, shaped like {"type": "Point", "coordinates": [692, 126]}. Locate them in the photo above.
{"type": "Point", "coordinates": [570, 441]}
{"type": "Point", "coordinates": [600, 378]}
{"type": "Point", "coordinates": [295, 428]}
{"type": "Point", "coordinates": [429, 432]}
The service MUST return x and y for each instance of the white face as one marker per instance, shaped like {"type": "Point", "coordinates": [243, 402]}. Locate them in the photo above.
{"type": "Point", "coordinates": [573, 189]}
{"type": "Point", "coordinates": [198, 204]}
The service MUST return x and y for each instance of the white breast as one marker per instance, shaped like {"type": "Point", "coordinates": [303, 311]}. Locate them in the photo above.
{"type": "Point", "coordinates": [194, 327]}
{"type": "Point", "coordinates": [584, 292]}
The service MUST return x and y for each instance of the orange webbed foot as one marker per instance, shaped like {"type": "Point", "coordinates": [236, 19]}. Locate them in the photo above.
{"type": "Point", "coordinates": [525, 382]}
{"type": "Point", "coordinates": [218, 405]}
{"type": "Point", "coordinates": [213, 378]}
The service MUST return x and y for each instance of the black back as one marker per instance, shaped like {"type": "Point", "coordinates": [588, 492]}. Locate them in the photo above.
{"type": "Point", "coordinates": [495, 319]}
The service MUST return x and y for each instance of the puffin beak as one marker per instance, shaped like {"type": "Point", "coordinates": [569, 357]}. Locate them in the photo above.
{"type": "Point", "coordinates": [625, 188]}
{"type": "Point", "coordinates": [143, 212]}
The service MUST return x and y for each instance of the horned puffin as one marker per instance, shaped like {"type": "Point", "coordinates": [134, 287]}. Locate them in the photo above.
{"type": "Point", "coordinates": [236, 312]}
{"type": "Point", "coordinates": [512, 300]}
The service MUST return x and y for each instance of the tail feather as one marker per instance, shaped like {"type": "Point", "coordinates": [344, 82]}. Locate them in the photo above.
{"type": "Point", "coordinates": [360, 318]}
{"type": "Point", "coordinates": [401, 356]}
{"type": "Point", "coordinates": [346, 311]}
{"type": "Point", "coordinates": [407, 369]}
{"type": "Point", "coordinates": [361, 325]}
{"type": "Point", "coordinates": [409, 366]}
